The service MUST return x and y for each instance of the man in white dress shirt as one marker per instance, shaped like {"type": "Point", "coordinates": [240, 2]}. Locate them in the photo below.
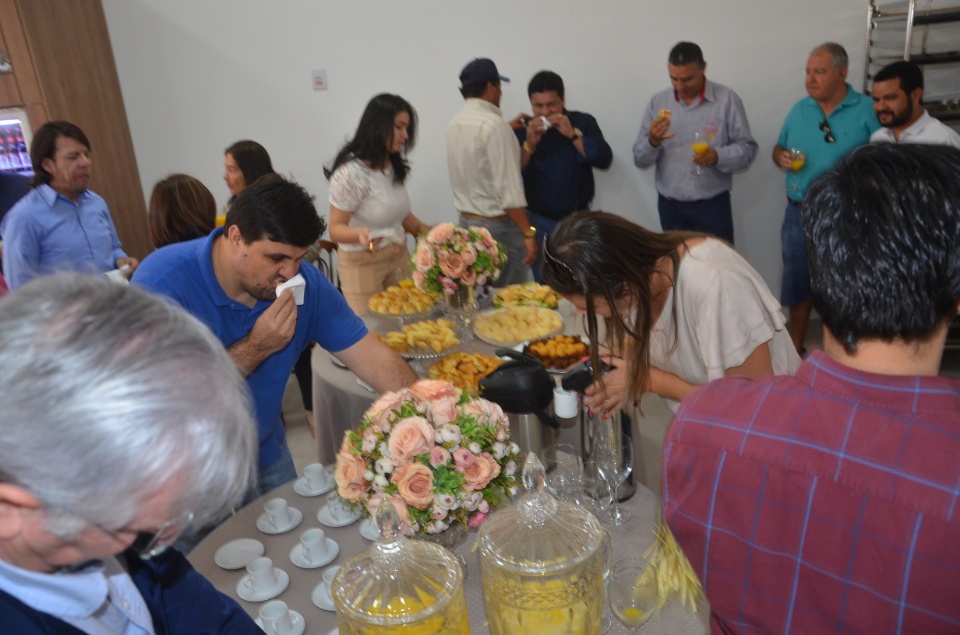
{"type": "Point", "coordinates": [897, 97]}
{"type": "Point", "coordinates": [483, 158]}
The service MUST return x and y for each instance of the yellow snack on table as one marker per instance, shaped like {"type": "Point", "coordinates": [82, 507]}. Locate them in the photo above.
{"type": "Point", "coordinates": [526, 294]}
{"type": "Point", "coordinates": [465, 370]}
{"type": "Point", "coordinates": [401, 300]}
{"type": "Point", "coordinates": [516, 324]}
{"type": "Point", "coordinates": [427, 336]}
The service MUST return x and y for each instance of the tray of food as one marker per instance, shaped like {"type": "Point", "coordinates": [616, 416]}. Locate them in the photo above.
{"type": "Point", "coordinates": [526, 294]}
{"type": "Point", "coordinates": [403, 300]}
{"type": "Point", "coordinates": [464, 370]}
{"type": "Point", "coordinates": [510, 326]}
{"type": "Point", "coordinates": [427, 338]}
{"type": "Point", "coordinates": [559, 352]}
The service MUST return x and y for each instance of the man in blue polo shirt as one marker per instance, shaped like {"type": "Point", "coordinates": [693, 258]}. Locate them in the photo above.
{"type": "Point", "coordinates": [228, 281]}
{"type": "Point", "coordinates": [821, 128]}
{"type": "Point", "coordinates": [559, 150]}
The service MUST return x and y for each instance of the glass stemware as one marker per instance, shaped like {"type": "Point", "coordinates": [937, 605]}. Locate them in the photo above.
{"type": "Point", "coordinates": [700, 145]}
{"type": "Point", "coordinates": [632, 589]}
{"type": "Point", "coordinates": [615, 464]}
{"type": "Point", "coordinates": [797, 161]}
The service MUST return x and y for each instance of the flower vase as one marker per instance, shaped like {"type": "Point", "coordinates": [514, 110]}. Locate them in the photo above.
{"type": "Point", "coordinates": [460, 307]}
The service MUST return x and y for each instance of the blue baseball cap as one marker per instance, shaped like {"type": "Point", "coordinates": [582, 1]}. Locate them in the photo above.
{"type": "Point", "coordinates": [480, 71]}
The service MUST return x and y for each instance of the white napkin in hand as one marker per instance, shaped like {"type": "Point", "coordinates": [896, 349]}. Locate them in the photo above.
{"type": "Point", "coordinates": [118, 275]}
{"type": "Point", "coordinates": [296, 285]}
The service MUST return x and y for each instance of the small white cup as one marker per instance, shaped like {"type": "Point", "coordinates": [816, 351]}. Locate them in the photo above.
{"type": "Point", "coordinates": [276, 618]}
{"type": "Point", "coordinates": [262, 575]}
{"type": "Point", "coordinates": [314, 543]}
{"type": "Point", "coordinates": [566, 404]}
{"type": "Point", "coordinates": [278, 513]}
{"type": "Point", "coordinates": [340, 511]}
{"type": "Point", "coordinates": [316, 476]}
{"type": "Point", "coordinates": [328, 576]}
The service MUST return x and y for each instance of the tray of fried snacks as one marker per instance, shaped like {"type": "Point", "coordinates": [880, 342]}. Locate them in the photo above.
{"type": "Point", "coordinates": [403, 300]}
{"type": "Point", "coordinates": [526, 294]}
{"type": "Point", "coordinates": [464, 370]}
{"type": "Point", "coordinates": [559, 352]}
{"type": "Point", "coordinates": [427, 338]}
{"type": "Point", "coordinates": [510, 326]}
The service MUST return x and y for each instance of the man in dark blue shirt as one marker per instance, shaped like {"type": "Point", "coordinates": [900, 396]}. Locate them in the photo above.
{"type": "Point", "coordinates": [560, 148]}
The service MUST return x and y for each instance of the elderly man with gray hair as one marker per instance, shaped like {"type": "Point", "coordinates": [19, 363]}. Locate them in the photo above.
{"type": "Point", "coordinates": [122, 421]}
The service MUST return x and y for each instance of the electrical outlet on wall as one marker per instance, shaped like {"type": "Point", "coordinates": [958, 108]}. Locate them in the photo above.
{"type": "Point", "coordinates": [319, 78]}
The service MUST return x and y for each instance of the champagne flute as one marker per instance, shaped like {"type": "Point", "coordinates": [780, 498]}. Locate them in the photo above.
{"type": "Point", "coordinates": [632, 589]}
{"type": "Point", "coordinates": [797, 161]}
{"type": "Point", "coordinates": [700, 145]}
{"type": "Point", "coordinates": [616, 465]}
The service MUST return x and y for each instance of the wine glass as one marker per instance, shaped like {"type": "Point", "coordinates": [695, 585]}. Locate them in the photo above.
{"type": "Point", "coordinates": [632, 589]}
{"type": "Point", "coordinates": [700, 145]}
{"type": "Point", "coordinates": [797, 161]}
{"type": "Point", "coordinates": [615, 464]}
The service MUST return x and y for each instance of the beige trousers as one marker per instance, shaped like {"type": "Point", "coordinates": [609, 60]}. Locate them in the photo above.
{"type": "Point", "coordinates": [364, 273]}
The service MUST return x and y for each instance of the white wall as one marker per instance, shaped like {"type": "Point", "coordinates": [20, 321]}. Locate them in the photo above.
{"type": "Point", "coordinates": [198, 75]}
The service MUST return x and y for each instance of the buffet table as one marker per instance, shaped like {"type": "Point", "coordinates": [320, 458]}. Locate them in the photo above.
{"type": "Point", "coordinates": [631, 539]}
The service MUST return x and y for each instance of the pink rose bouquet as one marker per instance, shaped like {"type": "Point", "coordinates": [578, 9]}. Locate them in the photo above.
{"type": "Point", "coordinates": [439, 455]}
{"type": "Point", "coordinates": [450, 256]}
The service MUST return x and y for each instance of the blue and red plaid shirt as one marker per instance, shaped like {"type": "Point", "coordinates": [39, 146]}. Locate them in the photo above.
{"type": "Point", "coordinates": [825, 502]}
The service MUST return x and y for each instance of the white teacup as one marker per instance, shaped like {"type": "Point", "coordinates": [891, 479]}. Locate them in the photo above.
{"type": "Point", "coordinates": [565, 403]}
{"type": "Point", "coordinates": [340, 511]}
{"type": "Point", "coordinates": [316, 476]}
{"type": "Point", "coordinates": [262, 576]}
{"type": "Point", "coordinates": [327, 583]}
{"type": "Point", "coordinates": [276, 618]}
{"type": "Point", "coordinates": [314, 543]}
{"type": "Point", "coordinates": [278, 513]}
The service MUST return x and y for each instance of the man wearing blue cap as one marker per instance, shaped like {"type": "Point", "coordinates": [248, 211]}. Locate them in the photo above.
{"type": "Point", "coordinates": [483, 158]}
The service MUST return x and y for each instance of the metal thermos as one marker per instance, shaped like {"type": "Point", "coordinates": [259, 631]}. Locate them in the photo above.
{"type": "Point", "coordinates": [522, 387]}
{"type": "Point", "coordinates": [593, 429]}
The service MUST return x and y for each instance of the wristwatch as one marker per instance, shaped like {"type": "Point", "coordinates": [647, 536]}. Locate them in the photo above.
{"type": "Point", "coordinates": [529, 148]}
{"type": "Point", "coordinates": [577, 134]}
{"type": "Point", "coordinates": [530, 234]}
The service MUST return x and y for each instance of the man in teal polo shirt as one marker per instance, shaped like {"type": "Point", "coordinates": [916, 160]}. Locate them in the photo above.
{"type": "Point", "coordinates": [823, 128]}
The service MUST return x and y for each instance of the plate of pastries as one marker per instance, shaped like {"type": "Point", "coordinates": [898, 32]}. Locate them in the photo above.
{"type": "Point", "coordinates": [512, 325]}
{"type": "Point", "coordinates": [426, 338]}
{"type": "Point", "coordinates": [526, 294]}
{"type": "Point", "coordinates": [402, 300]}
{"type": "Point", "coordinates": [559, 352]}
{"type": "Point", "coordinates": [465, 370]}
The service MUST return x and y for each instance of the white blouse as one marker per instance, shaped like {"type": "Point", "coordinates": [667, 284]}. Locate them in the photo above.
{"type": "Point", "coordinates": [373, 200]}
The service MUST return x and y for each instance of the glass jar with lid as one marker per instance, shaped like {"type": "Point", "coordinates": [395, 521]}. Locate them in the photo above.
{"type": "Point", "coordinates": [542, 564]}
{"type": "Point", "coordinates": [400, 586]}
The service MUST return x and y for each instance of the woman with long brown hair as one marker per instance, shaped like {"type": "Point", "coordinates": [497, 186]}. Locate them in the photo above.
{"type": "Point", "coordinates": [680, 308]}
{"type": "Point", "coordinates": [181, 208]}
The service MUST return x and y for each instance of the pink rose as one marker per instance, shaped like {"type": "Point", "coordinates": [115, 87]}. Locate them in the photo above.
{"type": "Point", "coordinates": [440, 233]}
{"type": "Point", "coordinates": [411, 437]}
{"type": "Point", "coordinates": [468, 277]}
{"type": "Point", "coordinates": [347, 447]}
{"type": "Point", "coordinates": [414, 484]}
{"type": "Point", "coordinates": [423, 257]}
{"type": "Point", "coordinates": [349, 477]}
{"type": "Point", "coordinates": [469, 255]}
{"type": "Point", "coordinates": [452, 265]}
{"type": "Point", "coordinates": [439, 455]}
{"type": "Point", "coordinates": [443, 410]}
{"type": "Point", "coordinates": [381, 411]}
{"type": "Point", "coordinates": [486, 412]}
{"type": "Point", "coordinates": [464, 459]}
{"type": "Point", "coordinates": [434, 389]}
{"type": "Point", "coordinates": [419, 279]}
{"type": "Point", "coordinates": [402, 511]}
{"type": "Point", "coordinates": [477, 519]}
{"type": "Point", "coordinates": [479, 475]}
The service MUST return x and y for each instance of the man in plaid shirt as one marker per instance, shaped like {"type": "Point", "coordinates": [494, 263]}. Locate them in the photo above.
{"type": "Point", "coordinates": [827, 502]}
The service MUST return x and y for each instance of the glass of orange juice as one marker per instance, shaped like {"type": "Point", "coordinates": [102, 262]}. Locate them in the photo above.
{"type": "Point", "coordinates": [797, 161]}
{"type": "Point", "coordinates": [700, 146]}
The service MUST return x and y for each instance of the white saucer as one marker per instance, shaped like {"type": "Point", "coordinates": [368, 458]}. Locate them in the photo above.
{"type": "Point", "coordinates": [238, 553]}
{"type": "Point", "coordinates": [301, 487]}
{"type": "Point", "coordinates": [297, 558]}
{"type": "Point", "coordinates": [298, 623]}
{"type": "Point", "coordinates": [261, 596]}
{"type": "Point", "coordinates": [263, 523]}
{"type": "Point", "coordinates": [368, 529]}
{"type": "Point", "coordinates": [321, 599]}
{"type": "Point", "coordinates": [326, 519]}
{"type": "Point", "coordinates": [335, 631]}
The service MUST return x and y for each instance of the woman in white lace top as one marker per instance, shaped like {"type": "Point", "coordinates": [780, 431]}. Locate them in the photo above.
{"type": "Point", "coordinates": [369, 205]}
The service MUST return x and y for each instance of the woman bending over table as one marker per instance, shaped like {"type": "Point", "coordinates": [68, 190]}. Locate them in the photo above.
{"type": "Point", "coordinates": [369, 205]}
{"type": "Point", "coordinates": [683, 308]}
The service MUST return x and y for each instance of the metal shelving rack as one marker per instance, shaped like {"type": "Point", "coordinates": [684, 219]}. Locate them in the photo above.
{"type": "Point", "coordinates": [927, 33]}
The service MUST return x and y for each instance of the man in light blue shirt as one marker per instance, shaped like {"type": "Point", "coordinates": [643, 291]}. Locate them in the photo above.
{"type": "Point", "coordinates": [60, 225]}
{"type": "Point", "coordinates": [824, 127]}
{"type": "Point", "coordinates": [694, 189]}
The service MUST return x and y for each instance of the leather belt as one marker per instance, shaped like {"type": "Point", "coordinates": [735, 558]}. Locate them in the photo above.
{"type": "Point", "coordinates": [479, 217]}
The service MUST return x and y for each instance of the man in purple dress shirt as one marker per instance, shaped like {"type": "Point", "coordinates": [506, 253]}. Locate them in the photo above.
{"type": "Point", "coordinates": [828, 501]}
